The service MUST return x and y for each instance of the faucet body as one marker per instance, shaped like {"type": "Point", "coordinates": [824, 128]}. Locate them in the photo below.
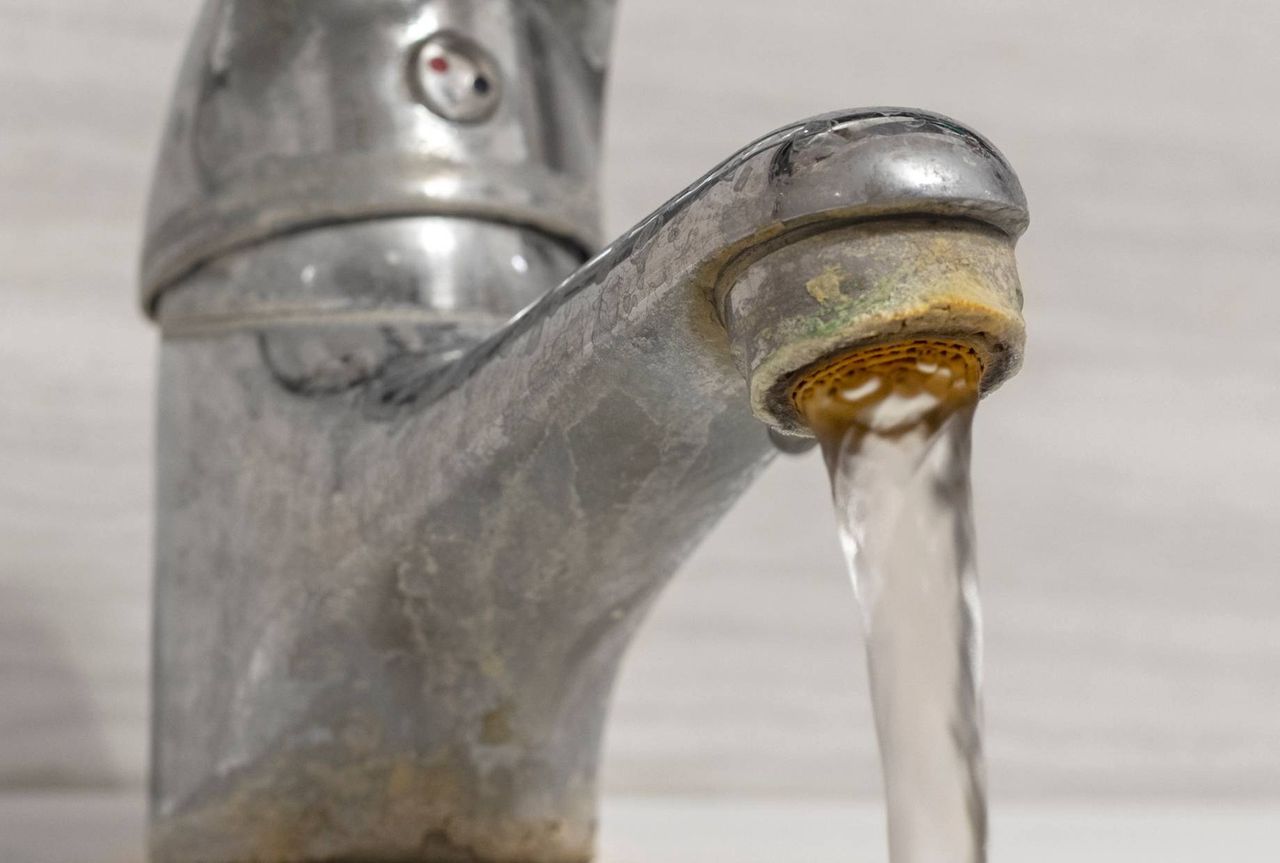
{"type": "Point", "coordinates": [421, 470]}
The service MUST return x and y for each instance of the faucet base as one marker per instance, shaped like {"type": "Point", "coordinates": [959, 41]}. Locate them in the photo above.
{"type": "Point", "coordinates": [339, 803]}
{"type": "Point", "coordinates": [386, 631]}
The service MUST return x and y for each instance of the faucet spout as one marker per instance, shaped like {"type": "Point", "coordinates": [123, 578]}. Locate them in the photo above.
{"type": "Point", "coordinates": [413, 506]}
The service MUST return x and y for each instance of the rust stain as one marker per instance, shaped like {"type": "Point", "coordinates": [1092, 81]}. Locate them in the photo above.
{"type": "Point", "coordinates": [342, 805]}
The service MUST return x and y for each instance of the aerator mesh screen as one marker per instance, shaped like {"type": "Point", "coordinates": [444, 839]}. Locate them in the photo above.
{"type": "Point", "coordinates": [948, 368]}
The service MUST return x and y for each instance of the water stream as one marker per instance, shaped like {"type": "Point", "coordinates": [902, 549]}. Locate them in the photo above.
{"type": "Point", "coordinates": [896, 436]}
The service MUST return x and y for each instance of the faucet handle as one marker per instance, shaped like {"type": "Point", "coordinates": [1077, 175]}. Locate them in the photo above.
{"type": "Point", "coordinates": [292, 116]}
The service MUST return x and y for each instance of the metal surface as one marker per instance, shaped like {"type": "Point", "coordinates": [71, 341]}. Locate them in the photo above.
{"type": "Point", "coordinates": [425, 269]}
{"type": "Point", "coordinates": [390, 606]}
{"type": "Point", "coordinates": [289, 115]}
{"type": "Point", "coordinates": [406, 529]}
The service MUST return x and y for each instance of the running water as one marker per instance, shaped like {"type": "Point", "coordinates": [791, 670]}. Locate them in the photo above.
{"type": "Point", "coordinates": [895, 430]}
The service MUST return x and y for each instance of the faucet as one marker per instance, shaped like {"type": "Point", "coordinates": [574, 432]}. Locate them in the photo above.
{"type": "Point", "coordinates": [426, 457]}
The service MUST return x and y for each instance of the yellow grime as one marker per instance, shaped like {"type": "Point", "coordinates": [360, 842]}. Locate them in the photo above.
{"type": "Point", "coordinates": [825, 287]}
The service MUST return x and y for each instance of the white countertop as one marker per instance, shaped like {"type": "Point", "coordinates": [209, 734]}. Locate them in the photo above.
{"type": "Point", "coordinates": [107, 828]}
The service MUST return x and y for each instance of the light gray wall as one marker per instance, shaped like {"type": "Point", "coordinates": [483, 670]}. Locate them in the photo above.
{"type": "Point", "coordinates": [1128, 482]}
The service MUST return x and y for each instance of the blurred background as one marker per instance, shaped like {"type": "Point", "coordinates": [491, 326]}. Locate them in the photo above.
{"type": "Point", "coordinates": [1127, 482]}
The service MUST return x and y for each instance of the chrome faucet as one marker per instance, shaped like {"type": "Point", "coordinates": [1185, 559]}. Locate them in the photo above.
{"type": "Point", "coordinates": [422, 465]}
